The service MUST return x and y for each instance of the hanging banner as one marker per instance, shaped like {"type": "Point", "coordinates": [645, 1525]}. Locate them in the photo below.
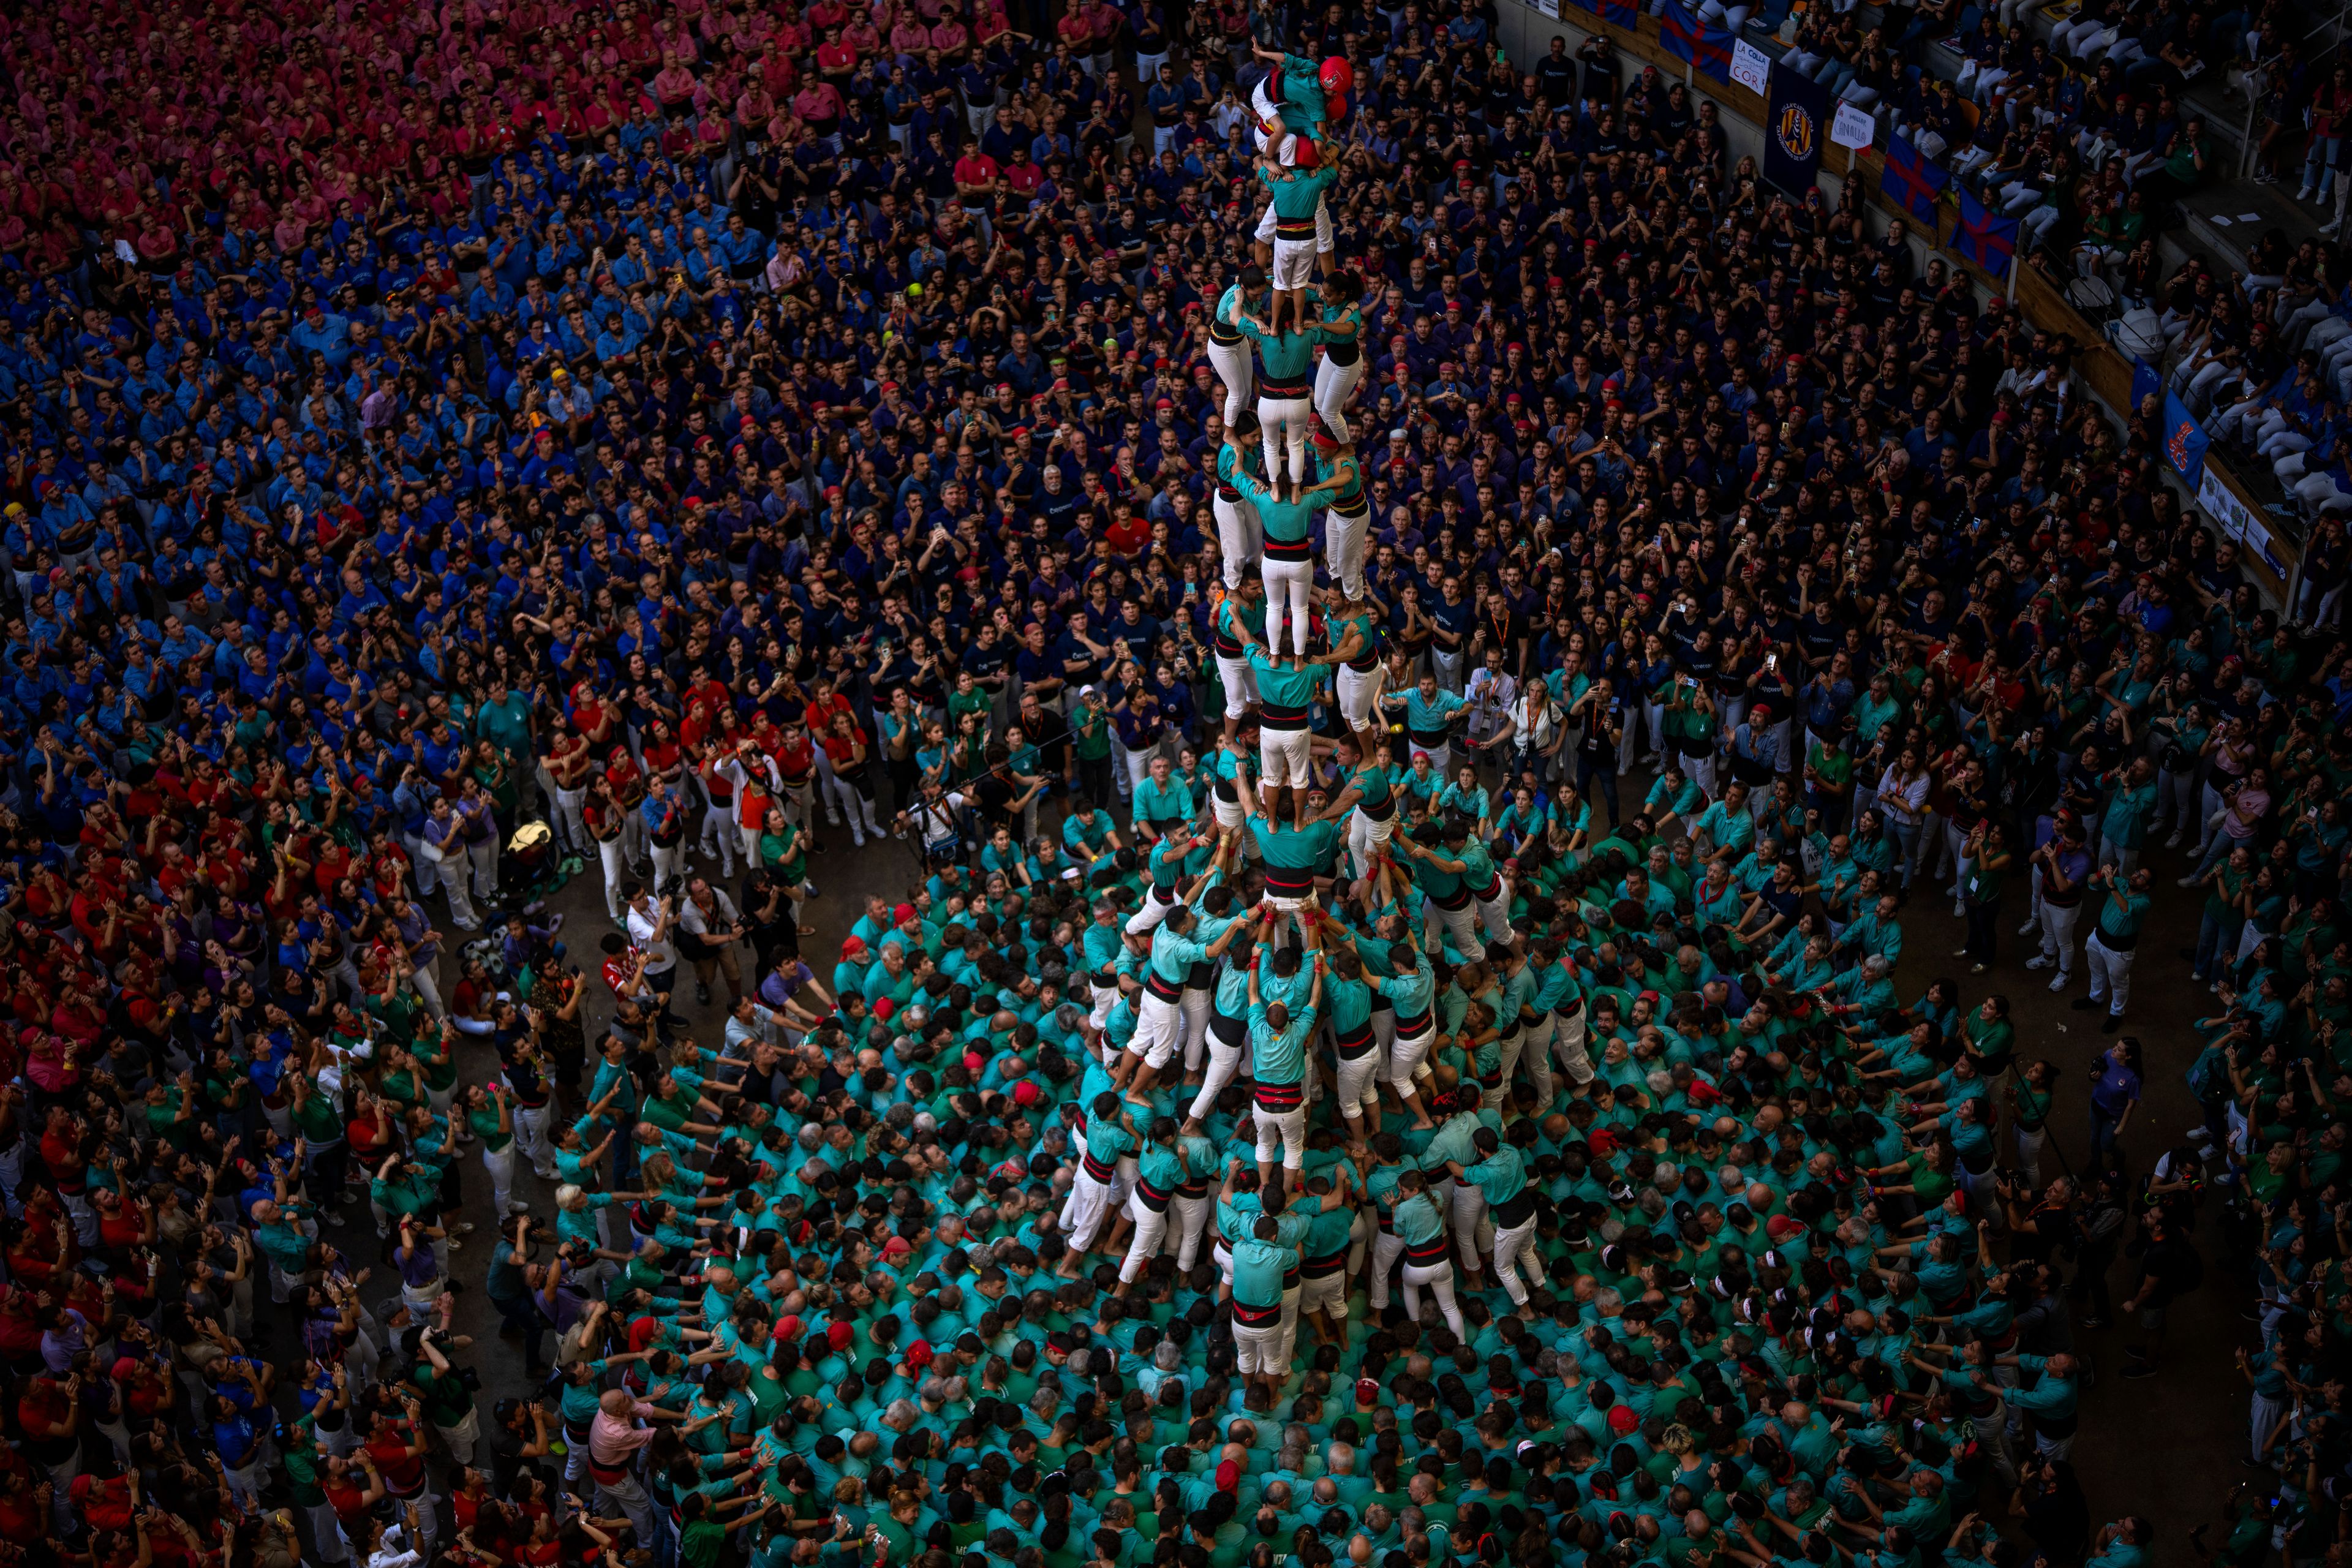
{"type": "Point", "coordinates": [1911, 182]}
{"type": "Point", "coordinates": [2237, 521]}
{"type": "Point", "coordinates": [1687, 38]}
{"type": "Point", "coordinates": [2185, 440]}
{"type": "Point", "coordinates": [1751, 67]}
{"type": "Point", "coordinates": [1854, 128]}
{"type": "Point", "coordinates": [1983, 237]}
{"type": "Point", "coordinates": [1796, 118]}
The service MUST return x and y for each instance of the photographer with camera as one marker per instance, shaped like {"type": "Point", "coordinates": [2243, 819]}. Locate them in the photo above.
{"type": "Point", "coordinates": [651, 922]}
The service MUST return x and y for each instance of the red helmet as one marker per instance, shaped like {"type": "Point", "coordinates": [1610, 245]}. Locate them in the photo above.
{"type": "Point", "coordinates": [1302, 153]}
{"type": "Point", "coordinates": [1338, 75]}
{"type": "Point", "coordinates": [1335, 106]}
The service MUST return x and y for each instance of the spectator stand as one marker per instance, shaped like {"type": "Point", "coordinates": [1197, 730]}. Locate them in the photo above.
{"type": "Point", "coordinates": [2230, 498]}
{"type": "Point", "coordinates": [2223, 217]}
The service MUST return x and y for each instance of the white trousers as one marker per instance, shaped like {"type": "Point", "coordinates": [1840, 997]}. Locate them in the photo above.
{"type": "Point", "coordinates": [500, 1163]}
{"type": "Point", "coordinates": [1368, 839]}
{"type": "Point", "coordinates": [1494, 913]}
{"type": "Point", "coordinates": [1224, 1065]}
{"type": "Point", "coordinates": [1472, 1234]}
{"type": "Point", "coordinates": [719, 830]}
{"type": "Point", "coordinates": [1294, 263]}
{"type": "Point", "coordinates": [1084, 1211]}
{"type": "Point", "coordinates": [1360, 692]}
{"type": "Point", "coordinates": [1387, 1248]}
{"type": "Point", "coordinates": [1360, 1084]}
{"type": "Point", "coordinates": [1461, 923]}
{"type": "Point", "coordinates": [1240, 538]}
{"type": "Point", "coordinates": [608, 852]}
{"type": "Point", "coordinates": [1282, 1132]}
{"type": "Point", "coordinates": [1240, 682]}
{"type": "Point", "coordinates": [1159, 1030]}
{"type": "Point", "coordinates": [1286, 422]}
{"type": "Point", "coordinates": [1568, 1046]}
{"type": "Point", "coordinates": [1257, 1348]}
{"type": "Point", "coordinates": [1283, 757]}
{"type": "Point", "coordinates": [1237, 373]}
{"type": "Point", "coordinates": [1515, 1248]}
{"type": "Point", "coordinates": [2058, 935]}
{"type": "Point", "coordinates": [1439, 1278]}
{"type": "Point", "coordinates": [1150, 1230]}
{"type": "Point", "coordinates": [1409, 1057]}
{"type": "Point", "coordinates": [1335, 383]}
{"type": "Point", "coordinates": [1343, 547]}
{"type": "Point", "coordinates": [1289, 590]}
{"type": "Point", "coordinates": [1192, 1224]}
{"type": "Point", "coordinates": [2110, 974]}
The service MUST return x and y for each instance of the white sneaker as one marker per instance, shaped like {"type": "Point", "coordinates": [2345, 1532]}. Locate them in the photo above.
{"type": "Point", "coordinates": [2188, 881]}
{"type": "Point", "coordinates": [2060, 983]}
{"type": "Point", "coordinates": [857, 839]}
{"type": "Point", "coordinates": [2029, 928]}
{"type": "Point", "coordinates": [2037, 962]}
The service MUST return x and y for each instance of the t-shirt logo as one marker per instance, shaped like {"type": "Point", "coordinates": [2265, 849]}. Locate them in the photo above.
{"type": "Point", "coordinates": [1795, 131]}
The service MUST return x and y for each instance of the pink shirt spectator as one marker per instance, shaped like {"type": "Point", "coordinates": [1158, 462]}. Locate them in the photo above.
{"type": "Point", "coordinates": [611, 1439]}
{"type": "Point", "coordinates": [818, 104]}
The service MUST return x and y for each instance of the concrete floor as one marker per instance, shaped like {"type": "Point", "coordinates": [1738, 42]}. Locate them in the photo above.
{"type": "Point", "coordinates": [2165, 1448]}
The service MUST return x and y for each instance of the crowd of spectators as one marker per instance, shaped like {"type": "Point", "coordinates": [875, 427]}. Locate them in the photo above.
{"type": "Point", "coordinates": [2072, 118]}
{"type": "Point", "coordinates": [709, 451]}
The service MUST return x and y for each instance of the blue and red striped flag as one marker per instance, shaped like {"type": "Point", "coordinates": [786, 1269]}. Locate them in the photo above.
{"type": "Point", "coordinates": [1984, 237]}
{"type": "Point", "coordinates": [1687, 38]}
{"type": "Point", "coordinates": [1616, 13]}
{"type": "Point", "coordinates": [1911, 181]}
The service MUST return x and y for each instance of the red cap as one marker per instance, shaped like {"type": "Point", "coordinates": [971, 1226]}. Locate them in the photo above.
{"type": "Point", "coordinates": [838, 1335]}
{"type": "Point", "coordinates": [1026, 1092]}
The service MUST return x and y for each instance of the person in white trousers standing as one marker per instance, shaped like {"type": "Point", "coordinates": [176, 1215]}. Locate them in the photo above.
{"type": "Point", "coordinates": [2062, 868]}
{"type": "Point", "coordinates": [1229, 351]}
{"type": "Point", "coordinates": [1348, 524]}
{"type": "Point", "coordinates": [1241, 538]}
{"type": "Point", "coordinates": [2122, 907]}
{"type": "Point", "coordinates": [1340, 334]}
